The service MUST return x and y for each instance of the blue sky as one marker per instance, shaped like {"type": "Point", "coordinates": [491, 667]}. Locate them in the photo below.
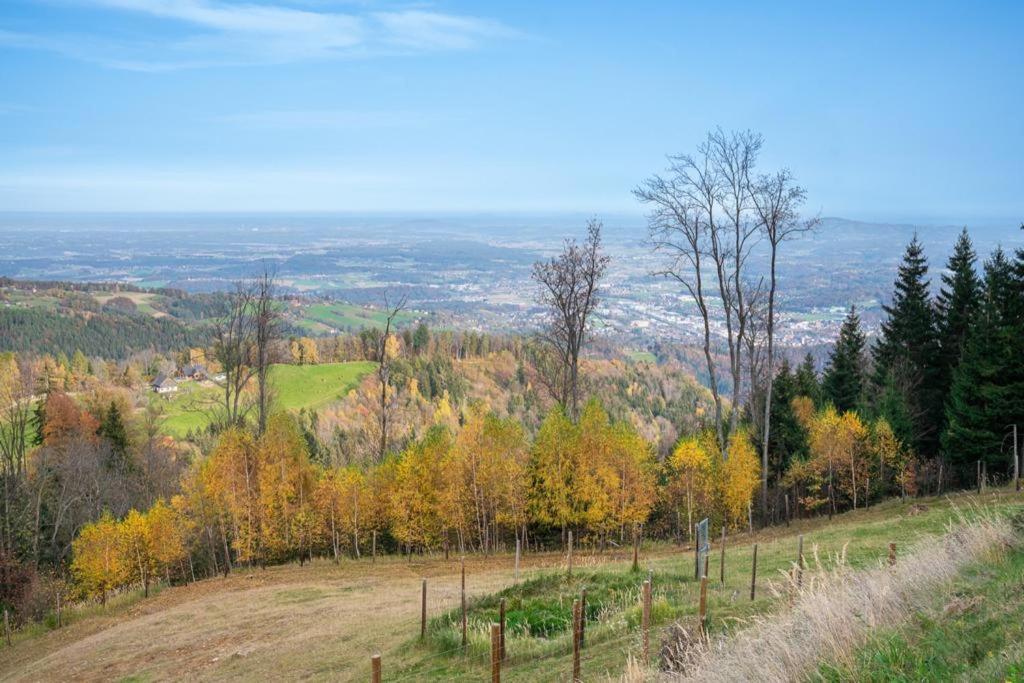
{"type": "Point", "coordinates": [894, 111]}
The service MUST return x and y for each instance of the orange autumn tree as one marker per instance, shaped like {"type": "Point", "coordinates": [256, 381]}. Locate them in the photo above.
{"type": "Point", "coordinates": [232, 477]}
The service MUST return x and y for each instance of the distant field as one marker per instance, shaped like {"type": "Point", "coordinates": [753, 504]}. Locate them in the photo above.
{"type": "Point", "coordinates": [340, 316]}
{"type": "Point", "coordinates": [297, 386]}
{"type": "Point", "coordinates": [643, 357]}
{"type": "Point", "coordinates": [143, 300]}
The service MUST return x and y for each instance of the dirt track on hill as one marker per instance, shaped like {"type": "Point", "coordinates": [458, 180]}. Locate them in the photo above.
{"type": "Point", "coordinates": [320, 622]}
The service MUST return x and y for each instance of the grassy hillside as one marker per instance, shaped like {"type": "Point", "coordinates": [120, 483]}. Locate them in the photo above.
{"type": "Point", "coordinates": [322, 318]}
{"type": "Point", "coordinates": [324, 621]}
{"type": "Point", "coordinates": [297, 386]}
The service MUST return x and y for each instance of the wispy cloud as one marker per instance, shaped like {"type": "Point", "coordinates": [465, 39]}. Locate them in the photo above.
{"type": "Point", "coordinates": [210, 33]}
{"type": "Point", "coordinates": [332, 118]}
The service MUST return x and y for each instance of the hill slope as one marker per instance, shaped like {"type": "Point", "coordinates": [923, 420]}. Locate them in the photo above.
{"type": "Point", "coordinates": [324, 621]}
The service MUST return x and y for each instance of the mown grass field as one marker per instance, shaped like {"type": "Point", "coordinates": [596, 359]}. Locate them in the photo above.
{"type": "Point", "coordinates": [296, 386]}
{"type": "Point", "coordinates": [324, 317]}
{"type": "Point", "coordinates": [323, 621]}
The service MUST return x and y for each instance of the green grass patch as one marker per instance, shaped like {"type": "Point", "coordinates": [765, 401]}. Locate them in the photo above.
{"type": "Point", "coordinates": [341, 316]}
{"type": "Point", "coordinates": [643, 357]}
{"type": "Point", "coordinates": [296, 387]}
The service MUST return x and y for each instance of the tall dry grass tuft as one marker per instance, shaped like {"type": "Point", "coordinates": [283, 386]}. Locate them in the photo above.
{"type": "Point", "coordinates": [835, 610]}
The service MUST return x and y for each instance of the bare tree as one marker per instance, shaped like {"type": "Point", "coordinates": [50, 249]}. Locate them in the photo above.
{"type": "Point", "coordinates": [266, 328]}
{"type": "Point", "coordinates": [777, 200]}
{"type": "Point", "coordinates": [233, 344]}
{"type": "Point", "coordinates": [702, 221]}
{"type": "Point", "coordinates": [17, 380]}
{"type": "Point", "coordinates": [569, 290]}
{"type": "Point", "coordinates": [384, 357]}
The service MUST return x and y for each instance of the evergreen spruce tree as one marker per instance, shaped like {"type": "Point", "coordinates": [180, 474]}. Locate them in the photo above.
{"type": "Point", "coordinates": [957, 302]}
{"type": "Point", "coordinates": [982, 403]}
{"type": "Point", "coordinates": [845, 376]}
{"type": "Point", "coordinates": [807, 380]}
{"type": "Point", "coordinates": [906, 353]}
{"type": "Point", "coordinates": [112, 428]}
{"type": "Point", "coordinates": [788, 439]}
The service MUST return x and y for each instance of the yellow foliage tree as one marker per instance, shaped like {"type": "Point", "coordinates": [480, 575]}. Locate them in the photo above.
{"type": "Point", "coordinates": [418, 506]}
{"type": "Point", "coordinates": [232, 477]}
{"type": "Point", "coordinates": [97, 559]}
{"type": "Point", "coordinates": [286, 482]}
{"type": "Point", "coordinates": [690, 476]}
{"type": "Point", "coordinates": [741, 475]}
{"type": "Point", "coordinates": [165, 537]}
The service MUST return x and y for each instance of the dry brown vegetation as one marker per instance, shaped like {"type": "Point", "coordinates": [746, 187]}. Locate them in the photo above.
{"type": "Point", "coordinates": [835, 611]}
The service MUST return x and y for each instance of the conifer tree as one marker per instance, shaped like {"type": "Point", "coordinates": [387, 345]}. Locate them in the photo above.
{"type": "Point", "coordinates": [906, 352]}
{"type": "Point", "coordinates": [807, 380]}
{"type": "Point", "coordinates": [844, 379]}
{"type": "Point", "coordinates": [788, 437]}
{"type": "Point", "coordinates": [956, 304]}
{"type": "Point", "coordinates": [113, 429]}
{"type": "Point", "coordinates": [981, 401]}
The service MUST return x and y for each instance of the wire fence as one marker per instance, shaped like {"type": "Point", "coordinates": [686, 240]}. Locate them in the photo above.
{"type": "Point", "coordinates": [777, 570]}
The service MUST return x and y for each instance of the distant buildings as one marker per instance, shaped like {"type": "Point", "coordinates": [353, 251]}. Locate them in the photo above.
{"type": "Point", "coordinates": [164, 385]}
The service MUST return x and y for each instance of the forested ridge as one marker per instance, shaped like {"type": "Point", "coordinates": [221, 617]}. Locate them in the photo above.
{"type": "Point", "coordinates": [102, 334]}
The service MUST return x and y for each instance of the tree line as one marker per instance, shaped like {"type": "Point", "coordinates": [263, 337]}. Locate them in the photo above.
{"type": "Point", "coordinates": [258, 500]}
{"type": "Point", "coordinates": [946, 372]}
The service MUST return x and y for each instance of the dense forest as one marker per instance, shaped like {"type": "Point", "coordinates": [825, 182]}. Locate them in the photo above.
{"type": "Point", "coordinates": [105, 334]}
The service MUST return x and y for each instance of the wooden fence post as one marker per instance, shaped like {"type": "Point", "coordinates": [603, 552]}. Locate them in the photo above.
{"type": "Point", "coordinates": [892, 554]}
{"type": "Point", "coordinates": [721, 569]}
{"type": "Point", "coordinates": [465, 638]}
{"type": "Point", "coordinates": [636, 550]}
{"type": "Point", "coordinates": [501, 625]}
{"type": "Point", "coordinates": [423, 611]}
{"type": "Point", "coordinates": [645, 620]}
{"type": "Point", "coordinates": [753, 574]}
{"type": "Point", "coordinates": [60, 618]}
{"type": "Point", "coordinates": [696, 561]}
{"type": "Point", "coordinates": [702, 611]}
{"type": "Point", "coordinates": [583, 616]}
{"type": "Point", "coordinates": [570, 552]}
{"type": "Point", "coordinates": [7, 627]}
{"type": "Point", "coordinates": [787, 509]}
{"type": "Point", "coordinates": [375, 669]}
{"type": "Point", "coordinates": [517, 559]}
{"type": "Point", "coordinates": [800, 561]}
{"type": "Point", "coordinates": [495, 654]}
{"type": "Point", "coordinates": [979, 477]}
{"type": "Point", "coordinates": [374, 546]}
{"type": "Point", "coordinates": [576, 641]}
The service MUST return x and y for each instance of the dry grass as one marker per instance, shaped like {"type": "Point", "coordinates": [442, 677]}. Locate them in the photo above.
{"type": "Point", "coordinates": [835, 610]}
{"type": "Point", "coordinates": [322, 622]}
